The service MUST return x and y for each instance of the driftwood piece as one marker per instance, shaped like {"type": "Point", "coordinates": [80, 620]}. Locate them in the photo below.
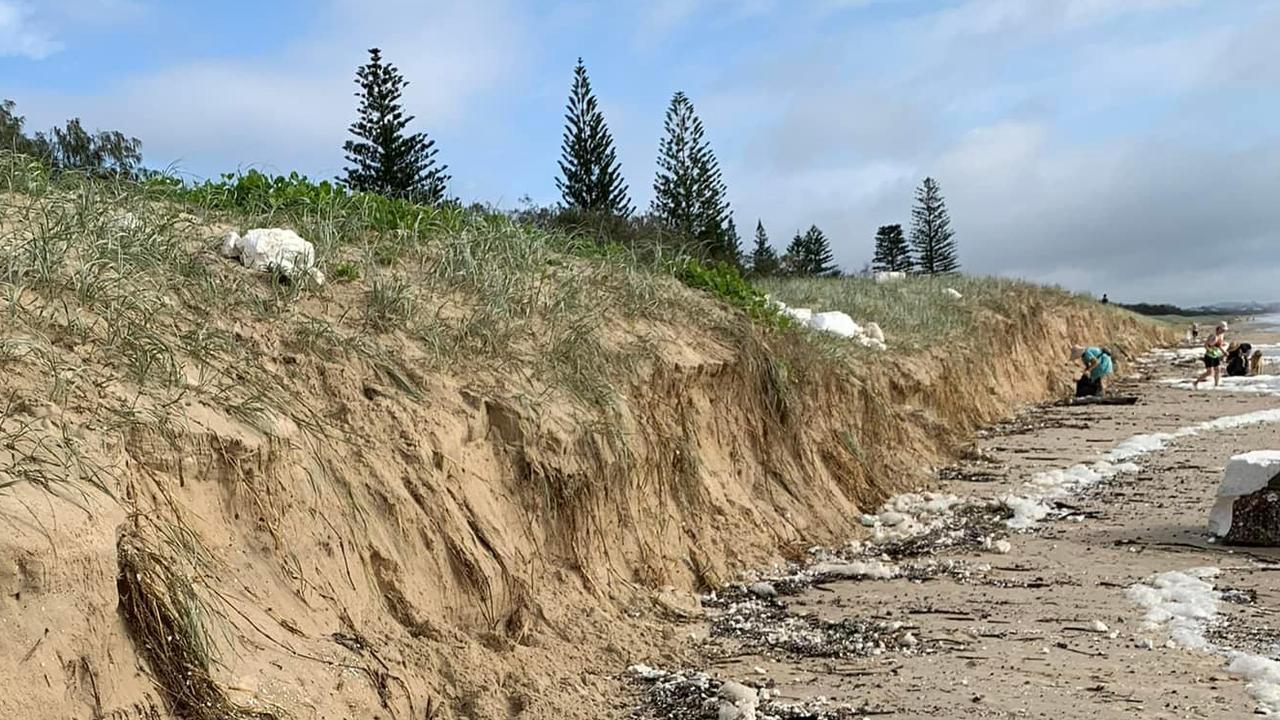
{"type": "Point", "coordinates": [1095, 400]}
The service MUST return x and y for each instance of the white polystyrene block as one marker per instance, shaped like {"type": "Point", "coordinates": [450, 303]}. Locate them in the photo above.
{"type": "Point", "coordinates": [1245, 475]}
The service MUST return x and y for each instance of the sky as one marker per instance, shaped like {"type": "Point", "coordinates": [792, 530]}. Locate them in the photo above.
{"type": "Point", "coordinates": [1130, 147]}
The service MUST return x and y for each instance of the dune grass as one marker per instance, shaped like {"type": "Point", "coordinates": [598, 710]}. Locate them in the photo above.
{"type": "Point", "coordinates": [130, 270]}
{"type": "Point", "coordinates": [917, 313]}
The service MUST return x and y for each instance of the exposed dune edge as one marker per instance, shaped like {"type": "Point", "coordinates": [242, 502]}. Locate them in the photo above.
{"type": "Point", "coordinates": [455, 556]}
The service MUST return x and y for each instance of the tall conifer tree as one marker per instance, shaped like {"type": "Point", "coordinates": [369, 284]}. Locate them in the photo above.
{"type": "Point", "coordinates": [590, 175]}
{"type": "Point", "coordinates": [689, 195]}
{"type": "Point", "coordinates": [810, 254]}
{"type": "Point", "coordinates": [764, 259]}
{"type": "Point", "coordinates": [818, 258]}
{"type": "Point", "coordinates": [893, 253]}
{"type": "Point", "coordinates": [932, 238]}
{"type": "Point", "coordinates": [384, 159]}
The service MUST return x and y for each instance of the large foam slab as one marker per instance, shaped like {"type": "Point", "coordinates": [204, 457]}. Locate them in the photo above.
{"type": "Point", "coordinates": [1245, 475]}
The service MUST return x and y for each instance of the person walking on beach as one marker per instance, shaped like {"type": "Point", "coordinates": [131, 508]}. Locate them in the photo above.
{"type": "Point", "coordinates": [1215, 348]}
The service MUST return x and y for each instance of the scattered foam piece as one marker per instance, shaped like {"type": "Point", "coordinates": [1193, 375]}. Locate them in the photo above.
{"type": "Point", "coordinates": [1137, 446]}
{"type": "Point", "coordinates": [1262, 679]}
{"type": "Point", "coordinates": [1183, 602]}
{"type": "Point", "coordinates": [800, 315]}
{"type": "Point", "coordinates": [953, 293]}
{"type": "Point", "coordinates": [1245, 475]}
{"type": "Point", "coordinates": [1032, 504]}
{"type": "Point", "coordinates": [884, 276]}
{"type": "Point", "coordinates": [836, 323]}
{"type": "Point", "coordinates": [644, 672]}
{"type": "Point", "coordinates": [1186, 602]}
{"type": "Point", "coordinates": [857, 569]}
{"type": "Point", "coordinates": [1261, 384]}
{"type": "Point", "coordinates": [273, 250]}
{"type": "Point", "coordinates": [1026, 511]}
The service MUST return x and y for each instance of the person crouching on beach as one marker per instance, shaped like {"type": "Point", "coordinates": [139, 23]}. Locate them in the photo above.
{"type": "Point", "coordinates": [1097, 365]}
{"type": "Point", "coordinates": [1215, 348]}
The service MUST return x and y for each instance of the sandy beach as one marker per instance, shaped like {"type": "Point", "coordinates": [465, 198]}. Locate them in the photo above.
{"type": "Point", "coordinates": [983, 621]}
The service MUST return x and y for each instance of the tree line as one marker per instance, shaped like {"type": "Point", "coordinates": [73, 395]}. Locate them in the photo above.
{"type": "Point", "coordinates": [690, 207]}
{"type": "Point", "coordinates": [690, 203]}
{"type": "Point", "coordinates": [71, 147]}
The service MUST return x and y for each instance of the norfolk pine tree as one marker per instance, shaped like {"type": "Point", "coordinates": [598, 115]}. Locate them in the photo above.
{"type": "Point", "coordinates": [733, 246]}
{"type": "Point", "coordinates": [764, 259]}
{"type": "Point", "coordinates": [931, 235]}
{"type": "Point", "coordinates": [590, 176]}
{"type": "Point", "coordinates": [893, 253]}
{"type": "Point", "coordinates": [810, 254]}
{"type": "Point", "coordinates": [384, 159]}
{"type": "Point", "coordinates": [688, 192]}
{"type": "Point", "coordinates": [818, 259]}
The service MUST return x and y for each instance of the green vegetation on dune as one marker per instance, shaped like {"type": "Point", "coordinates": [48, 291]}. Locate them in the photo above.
{"type": "Point", "coordinates": [131, 270]}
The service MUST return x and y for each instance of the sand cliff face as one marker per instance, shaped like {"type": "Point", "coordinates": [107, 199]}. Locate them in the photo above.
{"type": "Point", "coordinates": [451, 551]}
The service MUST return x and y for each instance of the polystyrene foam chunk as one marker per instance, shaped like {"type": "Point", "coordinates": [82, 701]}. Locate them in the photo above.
{"type": "Point", "coordinates": [273, 250]}
{"type": "Point", "coordinates": [1249, 473]}
{"type": "Point", "coordinates": [1245, 475]}
{"type": "Point", "coordinates": [835, 322]}
{"type": "Point", "coordinates": [798, 314]}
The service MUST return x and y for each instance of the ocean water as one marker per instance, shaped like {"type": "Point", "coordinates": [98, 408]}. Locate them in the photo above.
{"type": "Point", "coordinates": [1270, 323]}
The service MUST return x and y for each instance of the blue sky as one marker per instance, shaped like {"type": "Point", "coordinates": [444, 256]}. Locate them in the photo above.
{"type": "Point", "coordinates": [1121, 146]}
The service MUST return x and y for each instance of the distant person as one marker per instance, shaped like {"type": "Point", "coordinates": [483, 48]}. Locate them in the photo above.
{"type": "Point", "coordinates": [1097, 366]}
{"type": "Point", "coordinates": [1238, 359]}
{"type": "Point", "coordinates": [1215, 348]}
{"type": "Point", "coordinates": [1104, 299]}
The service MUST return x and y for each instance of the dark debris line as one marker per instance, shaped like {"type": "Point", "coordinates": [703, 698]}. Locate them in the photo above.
{"type": "Point", "coordinates": [698, 696]}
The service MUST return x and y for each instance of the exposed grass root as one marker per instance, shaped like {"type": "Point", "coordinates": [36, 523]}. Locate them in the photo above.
{"type": "Point", "coordinates": [167, 620]}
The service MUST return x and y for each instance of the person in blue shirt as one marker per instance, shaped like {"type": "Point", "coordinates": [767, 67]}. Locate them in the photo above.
{"type": "Point", "coordinates": [1097, 365]}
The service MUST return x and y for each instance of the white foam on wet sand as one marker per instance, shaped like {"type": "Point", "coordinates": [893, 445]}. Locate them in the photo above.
{"type": "Point", "coordinates": [1184, 603]}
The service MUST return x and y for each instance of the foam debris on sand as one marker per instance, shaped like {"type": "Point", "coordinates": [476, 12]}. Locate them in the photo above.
{"type": "Point", "coordinates": [1033, 503]}
{"type": "Point", "coordinates": [273, 250]}
{"type": "Point", "coordinates": [1185, 603]}
{"type": "Point", "coordinates": [857, 569]}
{"type": "Point", "coordinates": [694, 695]}
{"type": "Point", "coordinates": [834, 322]}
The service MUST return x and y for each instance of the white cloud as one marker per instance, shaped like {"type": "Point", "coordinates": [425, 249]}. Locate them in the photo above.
{"type": "Point", "coordinates": [21, 34]}
{"type": "Point", "coordinates": [1021, 17]}
{"type": "Point", "coordinates": [286, 109]}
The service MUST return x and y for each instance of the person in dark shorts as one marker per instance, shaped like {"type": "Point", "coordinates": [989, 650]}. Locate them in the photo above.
{"type": "Point", "coordinates": [1215, 349]}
